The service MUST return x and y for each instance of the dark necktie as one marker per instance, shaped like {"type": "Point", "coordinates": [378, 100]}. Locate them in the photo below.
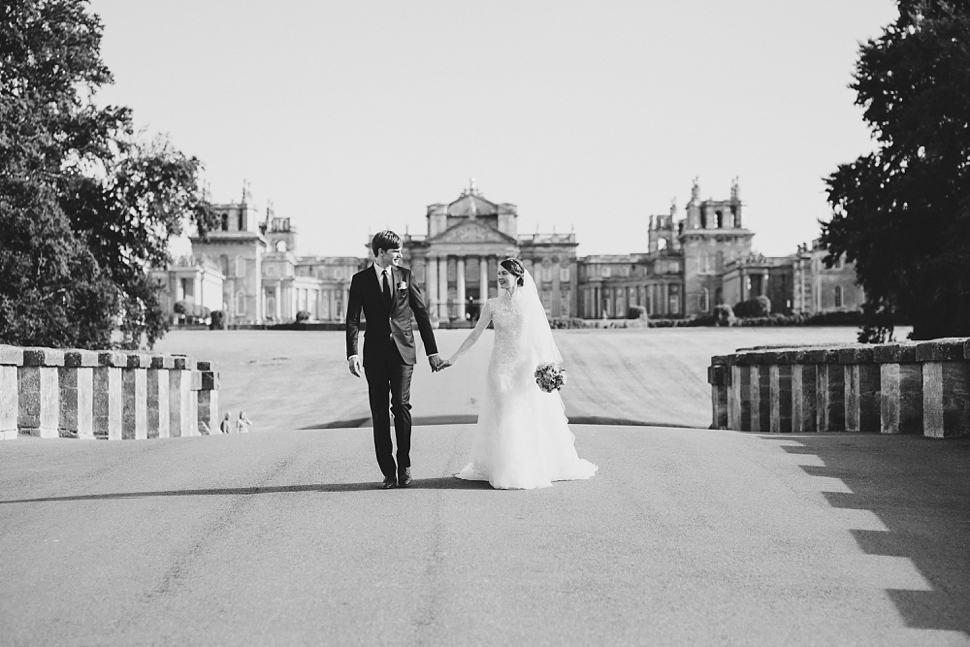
{"type": "Point", "coordinates": [387, 291]}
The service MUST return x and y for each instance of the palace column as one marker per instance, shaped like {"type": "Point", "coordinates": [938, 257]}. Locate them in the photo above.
{"type": "Point", "coordinates": [431, 284]}
{"type": "Point", "coordinates": [278, 297]}
{"type": "Point", "coordinates": [597, 306]}
{"type": "Point", "coordinates": [443, 288]}
{"type": "Point", "coordinates": [482, 280]}
{"type": "Point", "coordinates": [460, 276]}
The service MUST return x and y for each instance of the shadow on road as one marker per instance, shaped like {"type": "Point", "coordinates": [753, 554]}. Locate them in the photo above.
{"type": "Point", "coordinates": [918, 487]}
{"type": "Point", "coordinates": [462, 419]}
{"type": "Point", "coordinates": [438, 483]}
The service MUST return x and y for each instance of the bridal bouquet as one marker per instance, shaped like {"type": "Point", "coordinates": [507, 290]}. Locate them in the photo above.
{"type": "Point", "coordinates": [550, 377]}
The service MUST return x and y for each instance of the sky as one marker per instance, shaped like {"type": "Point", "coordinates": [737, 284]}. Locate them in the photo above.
{"type": "Point", "coordinates": [590, 116]}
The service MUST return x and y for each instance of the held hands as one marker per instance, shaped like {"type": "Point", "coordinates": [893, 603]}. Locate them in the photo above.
{"type": "Point", "coordinates": [438, 364]}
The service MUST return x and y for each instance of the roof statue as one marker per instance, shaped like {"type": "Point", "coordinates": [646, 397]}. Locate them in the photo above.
{"type": "Point", "coordinates": [735, 189]}
{"type": "Point", "coordinates": [695, 192]}
{"type": "Point", "coordinates": [673, 206]}
{"type": "Point", "coordinates": [472, 189]}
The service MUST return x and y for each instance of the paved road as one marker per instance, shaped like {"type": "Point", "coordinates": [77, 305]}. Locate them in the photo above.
{"type": "Point", "coordinates": [686, 537]}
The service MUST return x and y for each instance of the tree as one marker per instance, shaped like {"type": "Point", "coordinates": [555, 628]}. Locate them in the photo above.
{"type": "Point", "coordinates": [86, 208]}
{"type": "Point", "coordinates": [902, 213]}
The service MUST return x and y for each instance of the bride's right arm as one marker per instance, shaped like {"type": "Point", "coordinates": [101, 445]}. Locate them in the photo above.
{"type": "Point", "coordinates": [475, 334]}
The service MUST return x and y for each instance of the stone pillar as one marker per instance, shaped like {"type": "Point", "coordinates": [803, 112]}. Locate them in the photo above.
{"type": "Point", "coordinates": [134, 387]}
{"type": "Point", "coordinates": [460, 281]}
{"type": "Point", "coordinates": [734, 398]}
{"type": "Point", "coordinates": [179, 393]}
{"type": "Point", "coordinates": [158, 414]}
{"type": "Point", "coordinates": [278, 298]}
{"type": "Point", "coordinates": [76, 383]}
{"type": "Point", "coordinates": [946, 387]}
{"type": "Point", "coordinates": [901, 389]}
{"type": "Point", "coordinates": [208, 399]}
{"type": "Point", "coordinates": [597, 304]}
{"type": "Point", "coordinates": [108, 397]}
{"type": "Point", "coordinates": [719, 377]}
{"type": "Point", "coordinates": [780, 393]}
{"type": "Point", "coordinates": [482, 280]}
{"type": "Point", "coordinates": [804, 391]}
{"type": "Point", "coordinates": [443, 288]}
{"type": "Point", "coordinates": [11, 358]}
{"type": "Point", "coordinates": [38, 393]}
{"type": "Point", "coordinates": [192, 401]}
{"type": "Point", "coordinates": [748, 396]}
{"type": "Point", "coordinates": [431, 285]}
{"type": "Point", "coordinates": [760, 398]}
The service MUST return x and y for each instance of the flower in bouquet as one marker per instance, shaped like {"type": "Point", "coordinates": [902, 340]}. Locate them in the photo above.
{"type": "Point", "coordinates": [550, 377]}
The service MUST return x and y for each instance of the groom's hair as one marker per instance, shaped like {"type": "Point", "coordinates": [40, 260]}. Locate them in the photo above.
{"type": "Point", "coordinates": [515, 268]}
{"type": "Point", "coordinates": [385, 240]}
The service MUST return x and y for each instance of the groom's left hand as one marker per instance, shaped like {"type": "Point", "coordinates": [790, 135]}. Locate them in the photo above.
{"type": "Point", "coordinates": [436, 363]}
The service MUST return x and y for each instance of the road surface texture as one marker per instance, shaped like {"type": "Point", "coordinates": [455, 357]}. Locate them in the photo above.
{"type": "Point", "coordinates": [685, 537]}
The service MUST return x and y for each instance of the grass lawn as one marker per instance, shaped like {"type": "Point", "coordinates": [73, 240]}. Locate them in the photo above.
{"type": "Point", "coordinates": [294, 380]}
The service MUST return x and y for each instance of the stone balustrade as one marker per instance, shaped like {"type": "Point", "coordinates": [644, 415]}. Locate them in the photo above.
{"type": "Point", "coordinates": [111, 395]}
{"type": "Point", "coordinates": [900, 388]}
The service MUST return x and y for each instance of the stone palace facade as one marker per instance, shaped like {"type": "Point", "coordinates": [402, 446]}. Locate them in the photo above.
{"type": "Point", "coordinates": [690, 265]}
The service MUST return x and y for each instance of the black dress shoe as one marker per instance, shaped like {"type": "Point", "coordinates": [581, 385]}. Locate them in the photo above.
{"type": "Point", "coordinates": [388, 483]}
{"type": "Point", "coordinates": [404, 477]}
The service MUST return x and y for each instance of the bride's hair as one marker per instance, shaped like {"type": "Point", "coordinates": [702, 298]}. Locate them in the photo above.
{"type": "Point", "coordinates": [515, 269]}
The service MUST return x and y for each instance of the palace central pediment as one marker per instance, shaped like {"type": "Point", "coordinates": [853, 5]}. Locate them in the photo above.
{"type": "Point", "coordinates": [472, 232]}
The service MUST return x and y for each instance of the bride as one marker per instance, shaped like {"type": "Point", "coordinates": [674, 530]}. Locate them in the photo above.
{"type": "Point", "coordinates": [522, 439]}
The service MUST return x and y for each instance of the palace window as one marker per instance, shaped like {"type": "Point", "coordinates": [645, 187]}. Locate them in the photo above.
{"type": "Point", "coordinates": [838, 296]}
{"type": "Point", "coordinates": [705, 262]}
{"type": "Point", "coordinates": [605, 271]}
{"type": "Point", "coordinates": [240, 303]}
{"type": "Point", "coordinates": [704, 301]}
{"type": "Point", "coordinates": [240, 266]}
{"type": "Point", "coordinates": [564, 275]}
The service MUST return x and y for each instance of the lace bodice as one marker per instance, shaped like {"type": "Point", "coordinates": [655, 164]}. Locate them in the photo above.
{"type": "Point", "coordinates": [506, 313]}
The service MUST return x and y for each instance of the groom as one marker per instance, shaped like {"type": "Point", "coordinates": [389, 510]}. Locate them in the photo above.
{"type": "Point", "coordinates": [389, 298]}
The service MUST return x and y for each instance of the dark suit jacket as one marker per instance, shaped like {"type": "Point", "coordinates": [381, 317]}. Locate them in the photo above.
{"type": "Point", "coordinates": [384, 326]}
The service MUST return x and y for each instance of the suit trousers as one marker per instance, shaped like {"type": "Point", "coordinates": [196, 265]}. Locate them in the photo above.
{"type": "Point", "coordinates": [390, 376]}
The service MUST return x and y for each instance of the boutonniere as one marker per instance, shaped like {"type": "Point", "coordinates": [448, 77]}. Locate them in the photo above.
{"type": "Point", "coordinates": [402, 286]}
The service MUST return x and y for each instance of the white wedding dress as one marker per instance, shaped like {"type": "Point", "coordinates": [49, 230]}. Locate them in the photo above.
{"type": "Point", "coordinates": [522, 439]}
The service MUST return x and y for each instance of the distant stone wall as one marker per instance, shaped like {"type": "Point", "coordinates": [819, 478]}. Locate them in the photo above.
{"type": "Point", "coordinates": [109, 395]}
{"type": "Point", "coordinates": [906, 388]}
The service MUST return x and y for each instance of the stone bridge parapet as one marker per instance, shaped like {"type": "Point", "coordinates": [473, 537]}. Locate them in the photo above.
{"type": "Point", "coordinates": [112, 395]}
{"type": "Point", "coordinates": [899, 388]}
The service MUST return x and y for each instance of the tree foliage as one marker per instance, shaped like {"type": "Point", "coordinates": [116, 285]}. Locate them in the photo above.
{"type": "Point", "coordinates": [902, 212]}
{"type": "Point", "coordinates": [86, 207]}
